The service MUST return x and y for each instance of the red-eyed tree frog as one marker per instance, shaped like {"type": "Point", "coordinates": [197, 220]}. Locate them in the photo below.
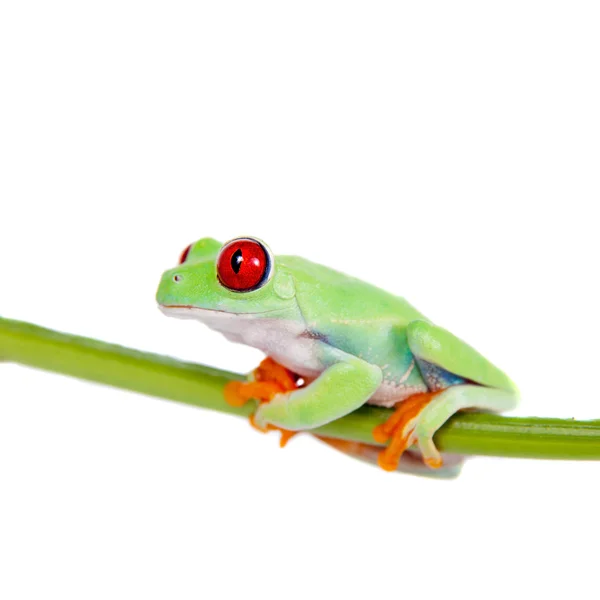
{"type": "Point", "coordinates": [333, 344]}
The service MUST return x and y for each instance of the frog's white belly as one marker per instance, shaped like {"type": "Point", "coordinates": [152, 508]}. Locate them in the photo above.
{"type": "Point", "coordinates": [281, 339]}
{"type": "Point", "coordinates": [285, 341]}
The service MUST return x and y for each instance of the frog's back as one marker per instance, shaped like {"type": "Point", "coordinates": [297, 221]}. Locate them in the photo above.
{"type": "Point", "coordinates": [329, 296]}
{"type": "Point", "coordinates": [357, 318]}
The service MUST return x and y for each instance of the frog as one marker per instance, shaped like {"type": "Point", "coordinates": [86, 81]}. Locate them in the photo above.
{"type": "Point", "coordinates": [334, 343]}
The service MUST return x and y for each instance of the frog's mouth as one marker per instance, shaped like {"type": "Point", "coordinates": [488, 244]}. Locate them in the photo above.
{"type": "Point", "coordinates": [185, 311]}
{"type": "Point", "coordinates": [232, 325]}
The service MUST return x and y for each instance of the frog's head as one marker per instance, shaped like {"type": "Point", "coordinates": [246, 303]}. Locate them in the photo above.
{"type": "Point", "coordinates": [213, 281]}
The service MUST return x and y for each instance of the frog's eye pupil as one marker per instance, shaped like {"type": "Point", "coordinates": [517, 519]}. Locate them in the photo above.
{"type": "Point", "coordinates": [184, 254]}
{"type": "Point", "coordinates": [236, 261]}
{"type": "Point", "coordinates": [243, 265]}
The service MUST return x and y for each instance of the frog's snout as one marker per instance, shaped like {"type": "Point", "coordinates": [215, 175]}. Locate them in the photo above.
{"type": "Point", "coordinates": [168, 287]}
{"type": "Point", "coordinates": [191, 285]}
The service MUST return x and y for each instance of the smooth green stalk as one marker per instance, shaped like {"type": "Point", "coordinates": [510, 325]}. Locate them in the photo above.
{"type": "Point", "coordinates": [197, 385]}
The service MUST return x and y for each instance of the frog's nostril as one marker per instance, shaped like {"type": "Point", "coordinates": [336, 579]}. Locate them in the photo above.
{"type": "Point", "coordinates": [177, 278]}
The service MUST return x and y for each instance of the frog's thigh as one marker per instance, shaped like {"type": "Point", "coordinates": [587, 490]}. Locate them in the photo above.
{"type": "Point", "coordinates": [453, 399]}
{"type": "Point", "coordinates": [438, 346]}
{"type": "Point", "coordinates": [495, 392]}
{"type": "Point", "coordinates": [339, 390]}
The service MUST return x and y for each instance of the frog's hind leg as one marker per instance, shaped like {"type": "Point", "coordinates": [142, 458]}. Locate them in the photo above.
{"type": "Point", "coordinates": [411, 461]}
{"type": "Point", "coordinates": [400, 430]}
{"type": "Point", "coordinates": [449, 402]}
{"type": "Point", "coordinates": [416, 419]}
{"type": "Point", "coordinates": [461, 379]}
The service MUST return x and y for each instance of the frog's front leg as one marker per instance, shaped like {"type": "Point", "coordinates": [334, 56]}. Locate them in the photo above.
{"type": "Point", "coordinates": [340, 389]}
{"type": "Point", "coordinates": [267, 380]}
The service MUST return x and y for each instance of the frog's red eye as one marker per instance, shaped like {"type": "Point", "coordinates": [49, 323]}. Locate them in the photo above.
{"type": "Point", "coordinates": [243, 265]}
{"type": "Point", "coordinates": [184, 254]}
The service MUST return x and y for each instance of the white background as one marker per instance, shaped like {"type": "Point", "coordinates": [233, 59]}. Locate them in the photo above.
{"type": "Point", "coordinates": [447, 151]}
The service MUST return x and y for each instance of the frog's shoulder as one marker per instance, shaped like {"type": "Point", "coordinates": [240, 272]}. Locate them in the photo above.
{"type": "Point", "coordinates": [311, 273]}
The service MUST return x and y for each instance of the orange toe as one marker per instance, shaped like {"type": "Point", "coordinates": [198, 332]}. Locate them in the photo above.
{"type": "Point", "coordinates": [387, 464]}
{"type": "Point", "coordinates": [237, 393]}
{"type": "Point", "coordinates": [380, 435]}
{"type": "Point", "coordinates": [399, 429]}
{"type": "Point", "coordinates": [256, 426]}
{"type": "Point", "coordinates": [434, 463]}
{"type": "Point", "coordinates": [273, 372]}
{"type": "Point", "coordinates": [233, 393]}
{"type": "Point", "coordinates": [269, 378]}
{"type": "Point", "coordinates": [286, 434]}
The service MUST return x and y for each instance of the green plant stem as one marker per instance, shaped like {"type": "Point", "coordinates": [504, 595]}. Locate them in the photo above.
{"type": "Point", "coordinates": [197, 385]}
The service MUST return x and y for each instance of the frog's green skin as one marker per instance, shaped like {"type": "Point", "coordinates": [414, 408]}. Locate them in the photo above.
{"type": "Point", "coordinates": [354, 342]}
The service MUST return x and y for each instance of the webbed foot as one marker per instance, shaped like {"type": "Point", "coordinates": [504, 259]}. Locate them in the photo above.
{"type": "Point", "coordinates": [266, 381]}
{"type": "Point", "coordinates": [401, 432]}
